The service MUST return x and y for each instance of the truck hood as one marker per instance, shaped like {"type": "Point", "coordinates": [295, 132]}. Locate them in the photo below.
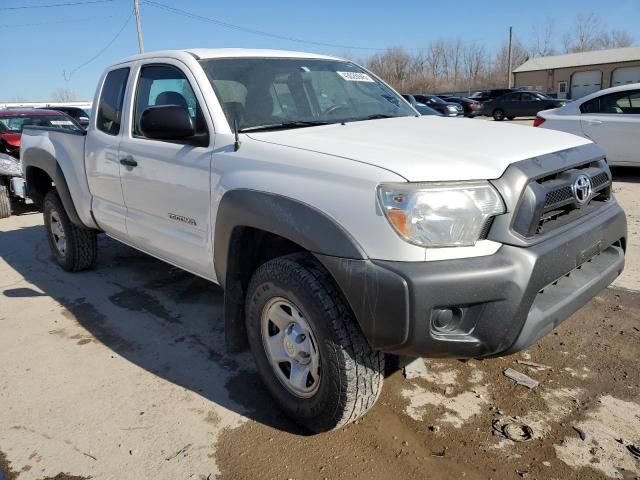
{"type": "Point", "coordinates": [428, 148]}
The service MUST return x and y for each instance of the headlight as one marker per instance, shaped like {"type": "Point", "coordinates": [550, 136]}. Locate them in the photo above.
{"type": "Point", "coordinates": [443, 214]}
{"type": "Point", "coordinates": [9, 166]}
{"type": "Point", "coordinates": [451, 108]}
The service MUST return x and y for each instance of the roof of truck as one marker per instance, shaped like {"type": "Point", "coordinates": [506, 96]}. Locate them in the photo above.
{"type": "Point", "coordinates": [205, 53]}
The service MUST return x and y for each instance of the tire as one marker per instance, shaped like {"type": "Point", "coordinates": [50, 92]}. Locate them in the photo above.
{"type": "Point", "coordinates": [349, 375]}
{"type": "Point", "coordinates": [72, 247]}
{"type": "Point", "coordinates": [5, 202]}
{"type": "Point", "coordinates": [510, 117]}
{"type": "Point", "coordinates": [498, 115]}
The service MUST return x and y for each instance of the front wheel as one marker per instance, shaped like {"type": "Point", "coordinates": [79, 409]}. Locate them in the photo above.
{"type": "Point", "coordinates": [498, 115]}
{"type": "Point", "coordinates": [73, 248]}
{"type": "Point", "coordinates": [5, 202]}
{"type": "Point", "coordinates": [309, 350]}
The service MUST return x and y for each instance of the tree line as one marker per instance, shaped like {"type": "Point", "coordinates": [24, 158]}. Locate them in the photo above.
{"type": "Point", "coordinates": [453, 65]}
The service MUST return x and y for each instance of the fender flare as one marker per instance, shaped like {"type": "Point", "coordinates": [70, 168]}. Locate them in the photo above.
{"type": "Point", "coordinates": [291, 219]}
{"type": "Point", "coordinates": [296, 221]}
{"type": "Point", "coordinates": [37, 158]}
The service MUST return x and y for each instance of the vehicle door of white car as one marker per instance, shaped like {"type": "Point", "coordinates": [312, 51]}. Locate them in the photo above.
{"type": "Point", "coordinates": [102, 162]}
{"type": "Point", "coordinates": [166, 183]}
{"type": "Point", "coordinates": [614, 125]}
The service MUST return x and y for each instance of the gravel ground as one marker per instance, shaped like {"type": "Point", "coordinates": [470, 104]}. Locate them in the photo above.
{"type": "Point", "coordinates": [121, 373]}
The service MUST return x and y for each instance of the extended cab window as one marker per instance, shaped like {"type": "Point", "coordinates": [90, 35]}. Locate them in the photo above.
{"type": "Point", "coordinates": [111, 100]}
{"type": "Point", "coordinates": [165, 85]}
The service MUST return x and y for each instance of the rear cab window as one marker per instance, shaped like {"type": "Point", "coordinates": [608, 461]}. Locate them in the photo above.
{"type": "Point", "coordinates": [109, 116]}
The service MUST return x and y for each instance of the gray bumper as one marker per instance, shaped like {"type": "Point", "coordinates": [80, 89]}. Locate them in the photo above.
{"type": "Point", "coordinates": [492, 305]}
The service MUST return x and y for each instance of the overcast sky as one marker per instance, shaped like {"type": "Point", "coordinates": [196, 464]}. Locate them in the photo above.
{"type": "Point", "coordinates": [41, 42]}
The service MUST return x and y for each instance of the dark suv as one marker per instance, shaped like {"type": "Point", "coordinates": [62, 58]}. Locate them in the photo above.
{"type": "Point", "coordinates": [518, 104]}
{"type": "Point", "coordinates": [486, 95]}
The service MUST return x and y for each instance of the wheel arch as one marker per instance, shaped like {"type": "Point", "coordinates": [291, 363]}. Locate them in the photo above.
{"type": "Point", "coordinates": [42, 174]}
{"type": "Point", "coordinates": [253, 227]}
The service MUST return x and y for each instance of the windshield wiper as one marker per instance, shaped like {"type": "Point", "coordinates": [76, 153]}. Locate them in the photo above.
{"type": "Point", "coordinates": [375, 116]}
{"type": "Point", "coordinates": [275, 126]}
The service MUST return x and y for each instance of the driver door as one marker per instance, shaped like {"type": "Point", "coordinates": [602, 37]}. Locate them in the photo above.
{"type": "Point", "coordinates": [165, 183]}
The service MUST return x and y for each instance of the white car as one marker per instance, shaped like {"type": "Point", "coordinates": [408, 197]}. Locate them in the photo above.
{"type": "Point", "coordinates": [610, 117]}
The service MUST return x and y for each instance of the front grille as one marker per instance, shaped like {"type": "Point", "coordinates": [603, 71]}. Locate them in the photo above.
{"type": "Point", "coordinates": [549, 202]}
{"type": "Point", "coordinates": [558, 196]}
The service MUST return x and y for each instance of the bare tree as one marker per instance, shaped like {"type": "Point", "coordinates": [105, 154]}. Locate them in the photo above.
{"type": "Point", "coordinates": [393, 65]}
{"type": "Point", "coordinates": [474, 57]}
{"type": "Point", "coordinates": [585, 33]}
{"type": "Point", "coordinates": [543, 34]}
{"type": "Point", "coordinates": [63, 94]}
{"type": "Point", "coordinates": [436, 58]}
{"type": "Point", "coordinates": [519, 55]}
{"type": "Point", "coordinates": [616, 39]}
{"type": "Point", "coordinates": [453, 54]}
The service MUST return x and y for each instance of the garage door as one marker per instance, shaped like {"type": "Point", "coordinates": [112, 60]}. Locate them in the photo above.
{"type": "Point", "coordinates": [584, 83]}
{"type": "Point", "coordinates": [625, 75]}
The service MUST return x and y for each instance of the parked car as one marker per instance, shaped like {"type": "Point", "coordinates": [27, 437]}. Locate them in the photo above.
{"type": "Point", "coordinates": [13, 121]}
{"type": "Point", "coordinates": [518, 104]}
{"type": "Point", "coordinates": [420, 107]}
{"type": "Point", "coordinates": [12, 186]}
{"type": "Point", "coordinates": [486, 95]}
{"type": "Point", "coordinates": [448, 109]}
{"type": "Point", "coordinates": [469, 107]}
{"type": "Point", "coordinates": [610, 117]}
{"type": "Point", "coordinates": [339, 224]}
{"type": "Point", "coordinates": [80, 115]}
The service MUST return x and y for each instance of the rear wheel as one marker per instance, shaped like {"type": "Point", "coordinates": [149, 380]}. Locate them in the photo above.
{"type": "Point", "coordinates": [309, 350]}
{"type": "Point", "coordinates": [73, 248]}
{"type": "Point", "coordinates": [498, 115]}
{"type": "Point", "coordinates": [5, 202]}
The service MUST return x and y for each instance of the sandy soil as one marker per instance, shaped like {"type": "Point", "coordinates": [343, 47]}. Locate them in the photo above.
{"type": "Point", "coordinates": [121, 373]}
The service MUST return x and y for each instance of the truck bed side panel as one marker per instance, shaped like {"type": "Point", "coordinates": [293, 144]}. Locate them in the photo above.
{"type": "Point", "coordinates": [47, 147]}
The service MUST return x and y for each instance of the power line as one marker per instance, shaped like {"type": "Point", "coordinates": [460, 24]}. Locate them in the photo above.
{"type": "Point", "coordinates": [55, 22]}
{"type": "Point", "coordinates": [53, 5]}
{"type": "Point", "coordinates": [100, 52]}
{"type": "Point", "coordinates": [221, 23]}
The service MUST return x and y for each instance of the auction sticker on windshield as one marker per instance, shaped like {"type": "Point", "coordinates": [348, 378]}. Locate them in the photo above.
{"type": "Point", "coordinates": [61, 122]}
{"type": "Point", "coordinates": [356, 77]}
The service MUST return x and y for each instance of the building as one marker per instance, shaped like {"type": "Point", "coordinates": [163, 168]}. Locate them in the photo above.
{"type": "Point", "coordinates": [578, 74]}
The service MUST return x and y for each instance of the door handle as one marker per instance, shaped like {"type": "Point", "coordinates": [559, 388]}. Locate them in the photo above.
{"type": "Point", "coordinates": [594, 122]}
{"type": "Point", "coordinates": [128, 161]}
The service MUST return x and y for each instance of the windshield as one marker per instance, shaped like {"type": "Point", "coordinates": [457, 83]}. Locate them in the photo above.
{"type": "Point", "coordinates": [17, 123]}
{"type": "Point", "coordinates": [288, 92]}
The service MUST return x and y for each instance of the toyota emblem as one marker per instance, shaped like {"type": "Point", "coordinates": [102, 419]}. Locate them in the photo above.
{"type": "Point", "coordinates": [582, 189]}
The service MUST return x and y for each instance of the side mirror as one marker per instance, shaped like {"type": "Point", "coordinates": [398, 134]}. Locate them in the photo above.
{"type": "Point", "coordinates": [167, 122]}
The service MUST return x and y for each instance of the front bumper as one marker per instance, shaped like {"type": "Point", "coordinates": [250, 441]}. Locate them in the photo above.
{"type": "Point", "coordinates": [499, 304]}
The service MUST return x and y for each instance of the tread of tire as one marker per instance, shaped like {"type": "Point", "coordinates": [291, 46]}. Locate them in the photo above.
{"type": "Point", "coordinates": [5, 202]}
{"type": "Point", "coordinates": [83, 241]}
{"type": "Point", "coordinates": [364, 366]}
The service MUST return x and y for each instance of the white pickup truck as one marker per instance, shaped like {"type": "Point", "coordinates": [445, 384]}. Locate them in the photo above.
{"type": "Point", "coordinates": [341, 224]}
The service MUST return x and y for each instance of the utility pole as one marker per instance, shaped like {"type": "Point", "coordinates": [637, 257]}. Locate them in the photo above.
{"type": "Point", "coordinates": [509, 60]}
{"type": "Point", "coordinates": [136, 10]}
